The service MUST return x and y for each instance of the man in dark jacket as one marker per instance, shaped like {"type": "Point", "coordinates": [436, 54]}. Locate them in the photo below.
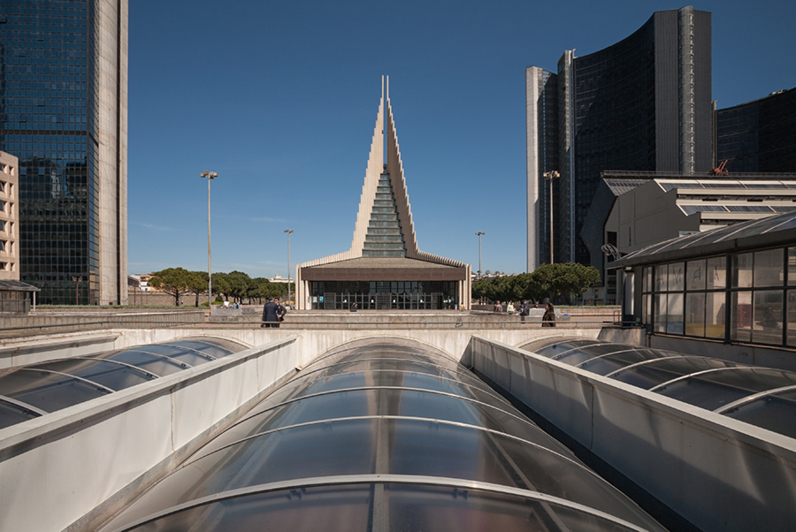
{"type": "Point", "coordinates": [270, 314]}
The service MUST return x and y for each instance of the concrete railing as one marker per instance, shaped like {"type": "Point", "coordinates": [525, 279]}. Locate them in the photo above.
{"type": "Point", "coordinates": [717, 473]}
{"type": "Point", "coordinates": [71, 469]}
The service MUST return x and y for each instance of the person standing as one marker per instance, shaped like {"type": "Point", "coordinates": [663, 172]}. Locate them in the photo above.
{"type": "Point", "coordinates": [549, 317]}
{"type": "Point", "coordinates": [270, 314]}
{"type": "Point", "coordinates": [280, 312]}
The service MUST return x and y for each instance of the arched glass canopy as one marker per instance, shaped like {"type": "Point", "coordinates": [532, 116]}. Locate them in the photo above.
{"type": "Point", "coordinates": [383, 434]}
{"type": "Point", "coordinates": [760, 396]}
{"type": "Point", "coordinates": [31, 391]}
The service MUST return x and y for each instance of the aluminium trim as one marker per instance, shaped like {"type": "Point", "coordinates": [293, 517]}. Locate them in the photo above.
{"type": "Point", "coordinates": [82, 379]}
{"type": "Point", "coordinates": [380, 479]}
{"type": "Point", "coordinates": [697, 374]}
{"type": "Point", "coordinates": [200, 353]}
{"type": "Point", "coordinates": [125, 364]}
{"type": "Point", "coordinates": [174, 361]}
{"type": "Point", "coordinates": [754, 397]}
{"type": "Point", "coordinates": [23, 405]}
{"type": "Point", "coordinates": [561, 354]}
{"type": "Point", "coordinates": [580, 364]}
{"type": "Point", "coordinates": [649, 361]}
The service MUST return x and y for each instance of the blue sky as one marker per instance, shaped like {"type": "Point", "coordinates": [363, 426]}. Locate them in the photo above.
{"type": "Point", "coordinates": [280, 99]}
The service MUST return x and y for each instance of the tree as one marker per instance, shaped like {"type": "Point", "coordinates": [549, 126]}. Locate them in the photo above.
{"type": "Point", "coordinates": [239, 284]}
{"type": "Point", "coordinates": [197, 284]}
{"type": "Point", "coordinates": [562, 280]}
{"type": "Point", "coordinates": [220, 285]}
{"type": "Point", "coordinates": [173, 281]}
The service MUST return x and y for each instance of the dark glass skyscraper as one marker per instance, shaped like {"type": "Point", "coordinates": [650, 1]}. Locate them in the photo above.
{"type": "Point", "coordinates": [759, 136]}
{"type": "Point", "coordinates": [642, 104]}
{"type": "Point", "coordinates": [63, 113]}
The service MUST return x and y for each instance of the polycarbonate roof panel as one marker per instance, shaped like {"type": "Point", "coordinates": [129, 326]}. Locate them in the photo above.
{"type": "Point", "coordinates": [47, 391]}
{"type": "Point", "coordinates": [712, 390]}
{"type": "Point", "coordinates": [663, 370]}
{"type": "Point", "coordinates": [775, 412]}
{"type": "Point", "coordinates": [710, 383]}
{"type": "Point", "coordinates": [55, 385]}
{"type": "Point", "coordinates": [11, 414]}
{"type": "Point", "coordinates": [696, 243]}
{"type": "Point", "coordinates": [412, 416]}
{"type": "Point", "coordinates": [114, 376]}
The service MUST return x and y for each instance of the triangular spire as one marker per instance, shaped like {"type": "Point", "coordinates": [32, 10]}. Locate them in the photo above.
{"type": "Point", "coordinates": [384, 225]}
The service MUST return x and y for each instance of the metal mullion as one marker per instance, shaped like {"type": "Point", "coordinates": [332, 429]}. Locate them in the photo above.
{"type": "Point", "coordinates": [556, 357]}
{"type": "Point", "coordinates": [23, 405]}
{"type": "Point", "coordinates": [82, 379]}
{"type": "Point", "coordinates": [649, 361]}
{"type": "Point", "coordinates": [579, 364]}
{"type": "Point", "coordinates": [695, 374]}
{"type": "Point", "coordinates": [200, 353]}
{"type": "Point", "coordinates": [424, 480]}
{"type": "Point", "coordinates": [174, 361]}
{"type": "Point", "coordinates": [475, 401]}
{"type": "Point", "coordinates": [444, 355]}
{"type": "Point", "coordinates": [749, 398]}
{"type": "Point", "coordinates": [125, 364]}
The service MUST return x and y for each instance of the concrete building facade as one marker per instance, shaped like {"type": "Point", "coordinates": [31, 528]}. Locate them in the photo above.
{"type": "Point", "coordinates": [9, 218]}
{"type": "Point", "coordinates": [64, 101]}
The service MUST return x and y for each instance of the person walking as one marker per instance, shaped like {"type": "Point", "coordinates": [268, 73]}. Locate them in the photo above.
{"type": "Point", "coordinates": [270, 314]}
{"type": "Point", "coordinates": [549, 317]}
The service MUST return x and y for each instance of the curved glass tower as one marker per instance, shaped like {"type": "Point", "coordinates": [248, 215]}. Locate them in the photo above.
{"type": "Point", "coordinates": [383, 434]}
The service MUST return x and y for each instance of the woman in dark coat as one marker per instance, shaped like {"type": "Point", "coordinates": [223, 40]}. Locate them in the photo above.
{"type": "Point", "coordinates": [549, 318]}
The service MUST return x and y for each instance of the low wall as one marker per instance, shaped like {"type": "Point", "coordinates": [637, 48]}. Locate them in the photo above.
{"type": "Point", "coordinates": [717, 473]}
{"type": "Point", "coordinates": [24, 352]}
{"type": "Point", "coordinates": [70, 469]}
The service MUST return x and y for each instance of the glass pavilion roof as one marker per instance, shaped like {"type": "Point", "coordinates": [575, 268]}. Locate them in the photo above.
{"type": "Point", "coordinates": [768, 231]}
{"type": "Point", "coordinates": [32, 391]}
{"type": "Point", "coordinates": [383, 434]}
{"type": "Point", "coordinates": [760, 396]}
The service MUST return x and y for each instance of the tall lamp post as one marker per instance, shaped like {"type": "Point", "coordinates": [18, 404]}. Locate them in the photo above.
{"type": "Point", "coordinates": [479, 234]}
{"type": "Point", "coordinates": [210, 176]}
{"type": "Point", "coordinates": [288, 231]}
{"type": "Point", "coordinates": [550, 176]}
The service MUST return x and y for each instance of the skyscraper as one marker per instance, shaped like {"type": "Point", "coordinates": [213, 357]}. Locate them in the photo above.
{"type": "Point", "coordinates": [641, 104]}
{"type": "Point", "coordinates": [63, 113]}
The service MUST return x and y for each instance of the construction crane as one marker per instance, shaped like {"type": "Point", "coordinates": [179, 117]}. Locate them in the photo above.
{"type": "Point", "coordinates": [720, 170]}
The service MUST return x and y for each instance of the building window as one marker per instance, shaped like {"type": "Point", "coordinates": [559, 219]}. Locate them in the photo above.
{"type": "Point", "coordinates": [693, 298]}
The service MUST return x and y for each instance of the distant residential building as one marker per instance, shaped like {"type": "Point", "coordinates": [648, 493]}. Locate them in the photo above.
{"type": "Point", "coordinates": [758, 136]}
{"type": "Point", "coordinates": [9, 217]}
{"type": "Point", "coordinates": [642, 104]}
{"type": "Point", "coordinates": [63, 98]}
{"type": "Point", "coordinates": [279, 279]}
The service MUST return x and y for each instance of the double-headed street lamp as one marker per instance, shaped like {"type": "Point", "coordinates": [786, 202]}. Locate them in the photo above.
{"type": "Point", "coordinates": [550, 176]}
{"type": "Point", "coordinates": [479, 234]}
{"type": "Point", "coordinates": [288, 231]}
{"type": "Point", "coordinates": [209, 176]}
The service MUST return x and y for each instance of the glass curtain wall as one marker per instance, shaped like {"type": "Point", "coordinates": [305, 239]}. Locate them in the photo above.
{"type": "Point", "coordinates": [744, 297]}
{"type": "Point", "coordinates": [383, 295]}
{"type": "Point", "coordinates": [48, 118]}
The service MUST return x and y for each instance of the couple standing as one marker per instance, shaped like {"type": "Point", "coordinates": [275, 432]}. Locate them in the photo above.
{"type": "Point", "coordinates": [273, 313]}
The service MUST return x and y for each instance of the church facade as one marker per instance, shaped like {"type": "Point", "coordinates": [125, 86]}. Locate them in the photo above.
{"type": "Point", "coordinates": [383, 269]}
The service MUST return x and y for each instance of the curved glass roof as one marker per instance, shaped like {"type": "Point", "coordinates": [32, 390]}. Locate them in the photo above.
{"type": "Point", "coordinates": [760, 396]}
{"type": "Point", "coordinates": [32, 391]}
{"type": "Point", "coordinates": [768, 231]}
{"type": "Point", "coordinates": [383, 434]}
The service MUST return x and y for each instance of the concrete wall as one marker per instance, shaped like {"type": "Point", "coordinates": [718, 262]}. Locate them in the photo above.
{"type": "Point", "coordinates": [69, 469]}
{"type": "Point", "coordinates": [24, 352]}
{"type": "Point", "coordinates": [718, 473]}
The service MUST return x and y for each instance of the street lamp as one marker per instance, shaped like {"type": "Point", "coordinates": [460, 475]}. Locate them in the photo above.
{"type": "Point", "coordinates": [550, 176]}
{"type": "Point", "coordinates": [479, 234]}
{"type": "Point", "coordinates": [209, 176]}
{"type": "Point", "coordinates": [288, 231]}
{"type": "Point", "coordinates": [77, 287]}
